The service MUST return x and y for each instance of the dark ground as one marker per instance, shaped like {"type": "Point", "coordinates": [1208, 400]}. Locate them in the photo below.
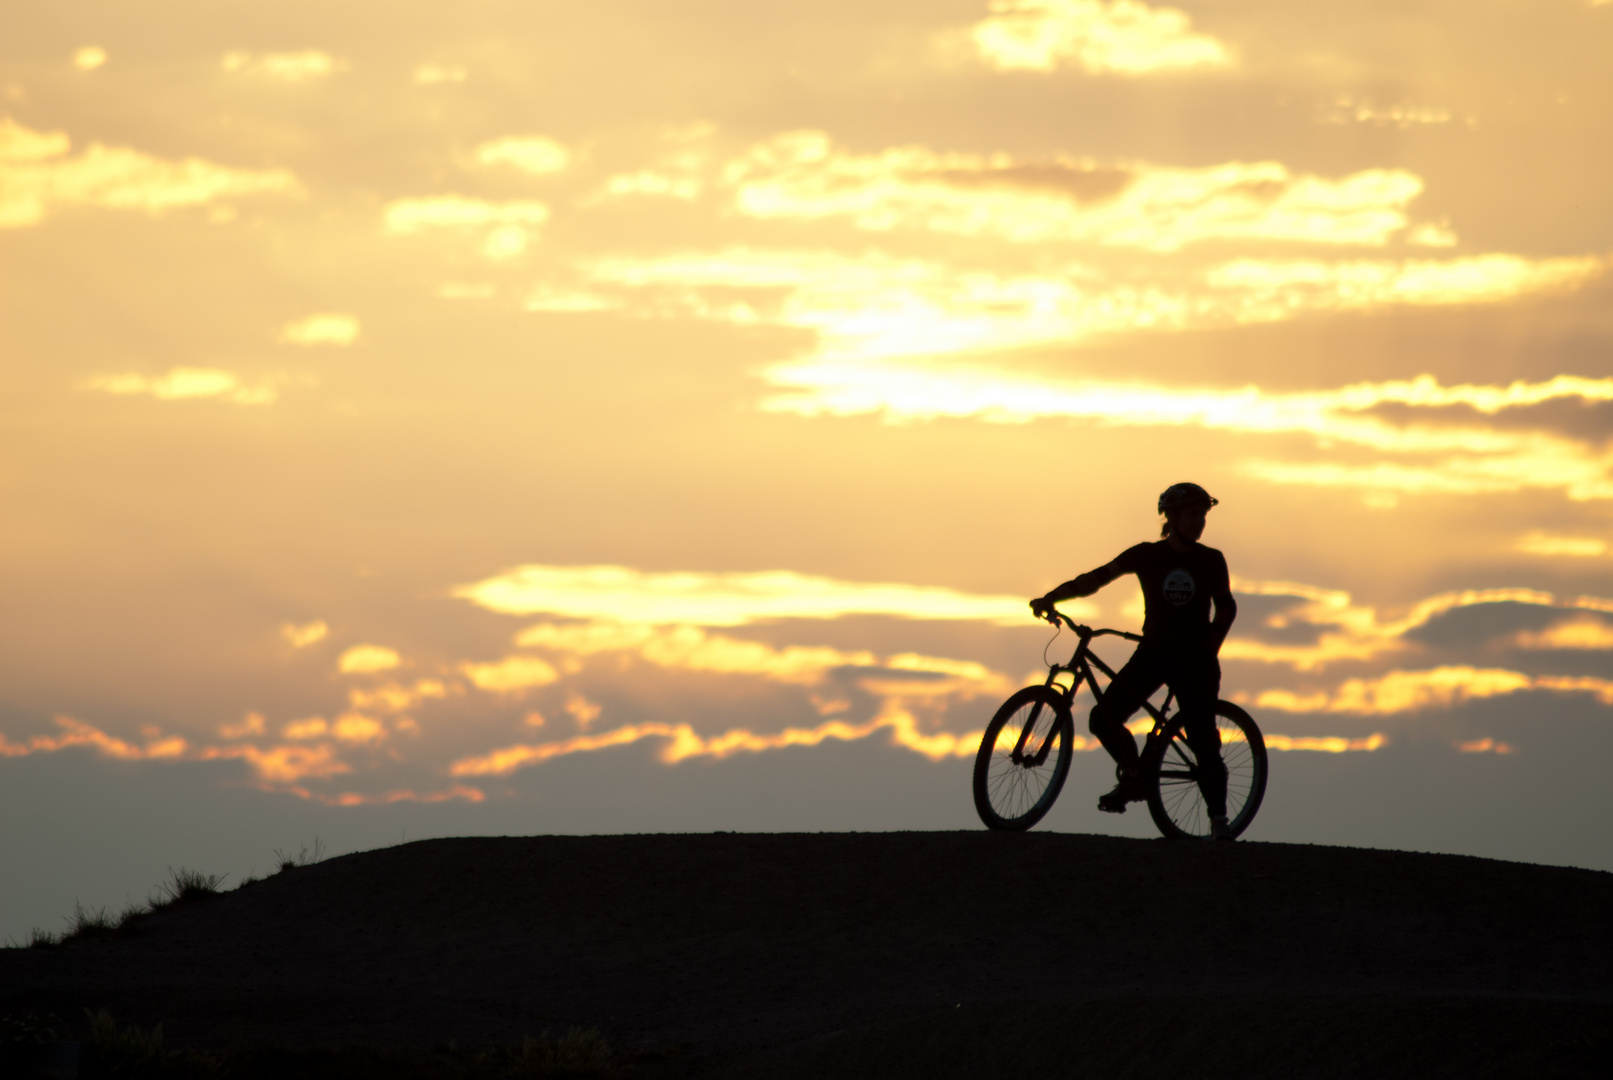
{"type": "Point", "coordinates": [884, 955]}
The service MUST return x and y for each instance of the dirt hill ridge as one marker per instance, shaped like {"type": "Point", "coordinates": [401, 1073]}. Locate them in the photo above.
{"type": "Point", "coordinates": [758, 951]}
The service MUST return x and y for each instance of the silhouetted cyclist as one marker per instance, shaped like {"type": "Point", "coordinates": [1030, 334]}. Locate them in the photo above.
{"type": "Point", "coordinates": [1181, 642]}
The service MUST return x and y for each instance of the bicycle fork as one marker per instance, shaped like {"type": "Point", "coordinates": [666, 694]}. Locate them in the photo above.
{"type": "Point", "coordinates": [1033, 761]}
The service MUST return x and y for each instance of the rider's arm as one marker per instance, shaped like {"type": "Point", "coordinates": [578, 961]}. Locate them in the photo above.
{"type": "Point", "coordinates": [1084, 585]}
{"type": "Point", "coordinates": [1226, 609]}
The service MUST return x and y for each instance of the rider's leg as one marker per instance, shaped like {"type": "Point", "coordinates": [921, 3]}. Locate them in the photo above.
{"type": "Point", "coordinates": [1198, 686]}
{"type": "Point", "coordinates": [1131, 686]}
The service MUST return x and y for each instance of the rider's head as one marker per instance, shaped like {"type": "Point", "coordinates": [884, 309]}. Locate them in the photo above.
{"type": "Point", "coordinates": [1184, 506]}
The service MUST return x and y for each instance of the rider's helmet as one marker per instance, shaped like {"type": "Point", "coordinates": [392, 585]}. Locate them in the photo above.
{"type": "Point", "coordinates": [1179, 495]}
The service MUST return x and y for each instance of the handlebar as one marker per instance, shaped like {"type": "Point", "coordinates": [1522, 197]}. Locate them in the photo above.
{"type": "Point", "coordinates": [1056, 617]}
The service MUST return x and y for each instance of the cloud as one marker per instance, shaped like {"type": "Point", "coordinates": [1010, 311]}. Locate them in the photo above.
{"type": "Point", "coordinates": [367, 659]}
{"type": "Point", "coordinates": [300, 636]}
{"type": "Point", "coordinates": [395, 697]}
{"type": "Point", "coordinates": [1357, 632]}
{"type": "Point", "coordinates": [1327, 744]}
{"type": "Point", "coordinates": [407, 216]}
{"type": "Point", "coordinates": [1583, 632]}
{"type": "Point", "coordinates": [1135, 205]}
{"type": "Point", "coordinates": [582, 710]}
{"type": "Point", "coordinates": [535, 154]}
{"type": "Point", "coordinates": [510, 675]}
{"type": "Point", "coordinates": [291, 67]}
{"type": "Point", "coordinates": [625, 595]}
{"type": "Point", "coordinates": [1414, 691]}
{"type": "Point", "coordinates": [186, 384]}
{"type": "Point", "coordinates": [38, 178]}
{"type": "Point", "coordinates": [435, 74]}
{"type": "Point", "coordinates": [1347, 110]}
{"type": "Point", "coordinates": [1485, 746]}
{"type": "Point", "coordinates": [1550, 546]}
{"type": "Point", "coordinates": [1122, 37]}
{"type": "Point", "coordinates": [89, 57]}
{"type": "Point", "coordinates": [689, 648]}
{"type": "Point", "coordinates": [870, 310]}
{"type": "Point", "coordinates": [685, 743]}
{"type": "Point", "coordinates": [326, 329]}
{"type": "Point", "coordinates": [506, 227]}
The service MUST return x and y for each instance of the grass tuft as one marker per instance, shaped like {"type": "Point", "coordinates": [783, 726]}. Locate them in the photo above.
{"type": "Point", "coordinates": [42, 939]}
{"type": "Point", "coordinates": [285, 861]}
{"type": "Point", "coordinates": [84, 924]}
{"type": "Point", "coordinates": [186, 885]}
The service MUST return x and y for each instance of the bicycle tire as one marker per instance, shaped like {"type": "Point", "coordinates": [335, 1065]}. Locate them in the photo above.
{"type": "Point", "coordinates": [1174, 799]}
{"type": "Point", "coordinates": [1012, 796]}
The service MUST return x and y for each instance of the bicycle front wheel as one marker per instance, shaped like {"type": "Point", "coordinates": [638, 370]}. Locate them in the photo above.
{"type": "Point", "coordinates": [1174, 797]}
{"type": "Point", "coordinates": [1023, 759]}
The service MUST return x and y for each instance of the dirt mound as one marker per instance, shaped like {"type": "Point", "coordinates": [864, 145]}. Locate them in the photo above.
{"type": "Point", "coordinates": [933, 954]}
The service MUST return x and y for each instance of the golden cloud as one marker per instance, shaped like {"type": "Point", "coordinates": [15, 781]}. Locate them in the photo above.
{"type": "Point", "coordinates": [186, 384]}
{"type": "Point", "coordinates": [292, 67]}
{"type": "Point", "coordinates": [624, 595]}
{"type": "Point", "coordinates": [913, 338]}
{"type": "Point", "coordinates": [1136, 205]}
{"type": "Point", "coordinates": [1327, 744]}
{"type": "Point", "coordinates": [506, 227]}
{"type": "Point", "coordinates": [37, 177]}
{"type": "Point", "coordinates": [324, 329]}
{"type": "Point", "coordinates": [1357, 632]}
{"type": "Point", "coordinates": [1485, 745]}
{"type": "Point", "coordinates": [535, 154]}
{"type": "Point", "coordinates": [1581, 633]}
{"type": "Point", "coordinates": [511, 675]}
{"type": "Point", "coordinates": [367, 659]}
{"type": "Point", "coordinates": [395, 697]}
{"type": "Point", "coordinates": [1123, 37]}
{"type": "Point", "coordinates": [688, 648]}
{"type": "Point", "coordinates": [300, 636]}
{"type": "Point", "coordinates": [1414, 691]}
{"type": "Point", "coordinates": [1579, 547]}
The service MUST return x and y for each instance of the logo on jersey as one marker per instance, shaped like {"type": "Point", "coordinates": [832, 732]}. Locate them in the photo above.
{"type": "Point", "coordinates": [1179, 586]}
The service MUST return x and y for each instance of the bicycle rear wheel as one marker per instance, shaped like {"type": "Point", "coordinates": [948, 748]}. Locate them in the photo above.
{"type": "Point", "coordinates": [1016, 780]}
{"type": "Point", "coordinates": [1174, 798]}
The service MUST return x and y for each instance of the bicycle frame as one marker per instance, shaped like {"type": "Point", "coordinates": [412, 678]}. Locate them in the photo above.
{"type": "Point", "coordinates": [1081, 665]}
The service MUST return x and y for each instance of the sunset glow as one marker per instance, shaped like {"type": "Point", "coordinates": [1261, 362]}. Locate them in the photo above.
{"type": "Point", "coordinates": [655, 418]}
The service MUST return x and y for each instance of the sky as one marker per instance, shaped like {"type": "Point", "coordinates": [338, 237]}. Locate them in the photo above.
{"type": "Point", "coordinates": [423, 420]}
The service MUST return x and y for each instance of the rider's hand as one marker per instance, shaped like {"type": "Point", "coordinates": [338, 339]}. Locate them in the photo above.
{"type": "Point", "coordinates": [1041, 607]}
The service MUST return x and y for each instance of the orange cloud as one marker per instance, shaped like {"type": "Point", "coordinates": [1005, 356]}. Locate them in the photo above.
{"type": "Point", "coordinates": [623, 595]}
{"type": "Point", "coordinates": [1441, 687]}
{"type": "Point", "coordinates": [511, 675]}
{"type": "Point", "coordinates": [326, 329]}
{"type": "Point", "coordinates": [1485, 746]}
{"type": "Point", "coordinates": [535, 154]}
{"type": "Point", "coordinates": [291, 67]}
{"type": "Point", "coordinates": [300, 636]}
{"type": "Point", "coordinates": [37, 178]}
{"type": "Point", "coordinates": [367, 659]}
{"type": "Point", "coordinates": [685, 743]}
{"type": "Point", "coordinates": [1357, 632]}
{"type": "Point", "coordinates": [1327, 744]}
{"type": "Point", "coordinates": [1548, 545]}
{"type": "Point", "coordinates": [1135, 205]}
{"type": "Point", "coordinates": [1121, 37]}
{"type": "Point", "coordinates": [186, 384]}
{"type": "Point", "coordinates": [1579, 633]}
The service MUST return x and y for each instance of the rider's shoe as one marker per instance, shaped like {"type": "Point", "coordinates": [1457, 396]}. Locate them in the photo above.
{"type": "Point", "coordinates": [1129, 790]}
{"type": "Point", "coordinates": [1219, 829]}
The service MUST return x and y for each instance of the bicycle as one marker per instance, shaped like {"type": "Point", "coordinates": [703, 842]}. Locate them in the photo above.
{"type": "Point", "coordinates": [1025, 753]}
